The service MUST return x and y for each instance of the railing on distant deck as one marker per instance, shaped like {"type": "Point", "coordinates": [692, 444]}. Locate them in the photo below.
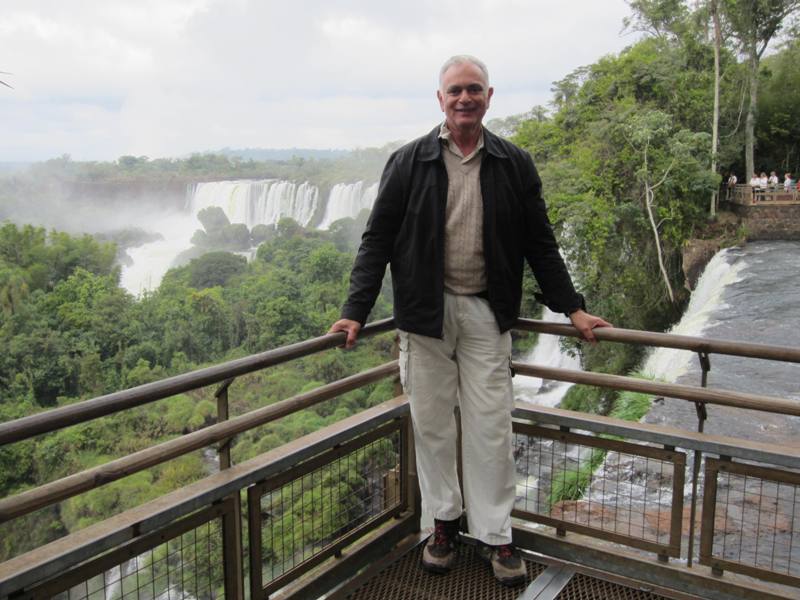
{"type": "Point", "coordinates": [621, 482]}
{"type": "Point", "coordinates": [747, 195]}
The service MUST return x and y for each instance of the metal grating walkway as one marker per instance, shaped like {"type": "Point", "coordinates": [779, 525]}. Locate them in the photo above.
{"type": "Point", "coordinates": [583, 587]}
{"type": "Point", "coordinates": [472, 579]}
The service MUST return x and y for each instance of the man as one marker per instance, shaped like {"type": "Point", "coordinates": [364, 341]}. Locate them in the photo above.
{"type": "Point", "coordinates": [458, 212]}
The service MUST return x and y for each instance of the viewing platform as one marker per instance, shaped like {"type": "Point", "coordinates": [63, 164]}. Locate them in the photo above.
{"type": "Point", "coordinates": [771, 214]}
{"type": "Point", "coordinates": [605, 508]}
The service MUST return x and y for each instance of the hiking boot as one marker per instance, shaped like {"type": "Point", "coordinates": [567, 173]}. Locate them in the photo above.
{"type": "Point", "coordinates": [506, 563]}
{"type": "Point", "coordinates": [440, 551]}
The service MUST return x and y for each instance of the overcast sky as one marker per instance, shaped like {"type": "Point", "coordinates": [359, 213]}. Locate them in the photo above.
{"type": "Point", "coordinates": [97, 79]}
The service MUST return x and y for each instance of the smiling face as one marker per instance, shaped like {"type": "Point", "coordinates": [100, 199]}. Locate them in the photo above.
{"type": "Point", "coordinates": [464, 96]}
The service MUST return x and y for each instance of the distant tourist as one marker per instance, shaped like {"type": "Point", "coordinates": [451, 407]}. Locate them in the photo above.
{"type": "Point", "coordinates": [755, 185]}
{"type": "Point", "coordinates": [773, 180]}
{"type": "Point", "coordinates": [763, 181]}
{"type": "Point", "coordinates": [788, 182]}
{"type": "Point", "coordinates": [731, 185]}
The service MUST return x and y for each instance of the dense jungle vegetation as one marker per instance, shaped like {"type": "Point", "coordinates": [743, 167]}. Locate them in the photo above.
{"type": "Point", "coordinates": [625, 153]}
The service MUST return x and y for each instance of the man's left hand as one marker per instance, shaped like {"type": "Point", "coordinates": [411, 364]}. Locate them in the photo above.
{"type": "Point", "coordinates": [584, 323]}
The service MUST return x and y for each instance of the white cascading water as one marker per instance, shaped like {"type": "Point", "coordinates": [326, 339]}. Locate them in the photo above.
{"type": "Point", "coordinates": [666, 364]}
{"type": "Point", "coordinates": [347, 200]}
{"type": "Point", "coordinates": [253, 203]}
{"type": "Point", "coordinates": [547, 353]}
{"type": "Point", "coordinates": [150, 262]}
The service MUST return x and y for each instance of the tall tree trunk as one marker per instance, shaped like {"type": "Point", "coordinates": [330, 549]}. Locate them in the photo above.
{"type": "Point", "coordinates": [750, 121]}
{"type": "Point", "coordinates": [649, 200]}
{"type": "Point", "coordinates": [715, 123]}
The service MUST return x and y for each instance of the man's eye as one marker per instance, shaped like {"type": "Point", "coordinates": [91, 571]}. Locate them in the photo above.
{"type": "Point", "coordinates": [454, 91]}
{"type": "Point", "coordinates": [474, 89]}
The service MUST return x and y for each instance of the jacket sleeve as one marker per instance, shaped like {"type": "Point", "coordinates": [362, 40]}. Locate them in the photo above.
{"type": "Point", "coordinates": [377, 243]}
{"type": "Point", "coordinates": [541, 249]}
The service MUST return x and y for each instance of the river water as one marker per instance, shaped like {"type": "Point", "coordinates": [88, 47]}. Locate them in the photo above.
{"type": "Point", "coordinates": [548, 353]}
{"type": "Point", "coordinates": [747, 294]}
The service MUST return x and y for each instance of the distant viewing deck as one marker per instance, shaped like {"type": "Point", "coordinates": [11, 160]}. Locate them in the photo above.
{"type": "Point", "coordinates": [748, 195]}
{"type": "Point", "coordinates": [771, 214]}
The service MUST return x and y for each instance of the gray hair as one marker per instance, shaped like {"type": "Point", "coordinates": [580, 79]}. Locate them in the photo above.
{"type": "Point", "coordinates": [459, 59]}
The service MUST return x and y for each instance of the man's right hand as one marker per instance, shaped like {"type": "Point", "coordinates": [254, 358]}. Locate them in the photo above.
{"type": "Point", "coordinates": [350, 327]}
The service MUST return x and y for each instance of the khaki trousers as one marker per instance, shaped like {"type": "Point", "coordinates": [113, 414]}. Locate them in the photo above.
{"type": "Point", "coordinates": [469, 367]}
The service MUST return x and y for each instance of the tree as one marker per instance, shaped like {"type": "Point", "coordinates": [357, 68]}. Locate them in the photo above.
{"type": "Point", "coordinates": [779, 143]}
{"type": "Point", "coordinates": [14, 289]}
{"type": "Point", "coordinates": [642, 132]}
{"type": "Point", "coordinates": [657, 17]}
{"type": "Point", "coordinates": [754, 23]}
{"type": "Point", "coordinates": [663, 153]}
{"type": "Point", "coordinates": [215, 269]}
{"type": "Point", "coordinates": [713, 7]}
{"type": "Point", "coordinates": [213, 219]}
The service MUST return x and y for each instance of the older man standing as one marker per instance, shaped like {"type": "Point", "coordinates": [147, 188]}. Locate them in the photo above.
{"type": "Point", "coordinates": [458, 213]}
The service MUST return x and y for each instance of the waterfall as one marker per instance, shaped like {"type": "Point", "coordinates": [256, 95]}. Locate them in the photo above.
{"type": "Point", "coordinates": [668, 364]}
{"type": "Point", "coordinates": [150, 262]}
{"type": "Point", "coordinates": [547, 352]}
{"type": "Point", "coordinates": [347, 200]}
{"type": "Point", "coordinates": [253, 203]}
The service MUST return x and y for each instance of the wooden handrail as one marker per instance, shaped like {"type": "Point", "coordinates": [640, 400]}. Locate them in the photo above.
{"type": "Point", "coordinates": [80, 412]}
{"type": "Point", "coordinates": [669, 340]}
{"type": "Point", "coordinates": [72, 485]}
{"type": "Point", "coordinates": [669, 390]}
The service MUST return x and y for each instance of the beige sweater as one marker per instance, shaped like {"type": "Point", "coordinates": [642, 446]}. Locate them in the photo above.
{"type": "Point", "coordinates": [464, 265]}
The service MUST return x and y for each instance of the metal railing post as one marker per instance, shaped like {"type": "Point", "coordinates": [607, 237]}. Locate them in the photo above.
{"type": "Point", "coordinates": [702, 415]}
{"type": "Point", "coordinates": [231, 525]}
{"type": "Point", "coordinates": [224, 448]}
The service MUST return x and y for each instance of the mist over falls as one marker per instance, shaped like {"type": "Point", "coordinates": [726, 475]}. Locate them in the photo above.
{"type": "Point", "coordinates": [248, 202]}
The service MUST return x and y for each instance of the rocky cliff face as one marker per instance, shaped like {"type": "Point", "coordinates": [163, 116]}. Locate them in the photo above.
{"type": "Point", "coordinates": [773, 221]}
{"type": "Point", "coordinates": [737, 224]}
{"type": "Point", "coordinates": [726, 231]}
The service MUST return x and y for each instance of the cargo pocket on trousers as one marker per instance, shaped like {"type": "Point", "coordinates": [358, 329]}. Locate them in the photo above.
{"type": "Point", "coordinates": [404, 360]}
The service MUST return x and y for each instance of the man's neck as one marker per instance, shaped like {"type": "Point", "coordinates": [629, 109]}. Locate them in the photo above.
{"type": "Point", "coordinates": [465, 139]}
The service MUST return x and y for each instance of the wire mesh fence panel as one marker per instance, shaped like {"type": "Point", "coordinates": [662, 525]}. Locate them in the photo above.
{"type": "Point", "coordinates": [624, 492]}
{"type": "Point", "coordinates": [752, 520]}
{"type": "Point", "coordinates": [180, 563]}
{"type": "Point", "coordinates": [300, 518]}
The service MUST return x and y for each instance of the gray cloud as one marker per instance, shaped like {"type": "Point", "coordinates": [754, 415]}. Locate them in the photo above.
{"type": "Point", "coordinates": [98, 79]}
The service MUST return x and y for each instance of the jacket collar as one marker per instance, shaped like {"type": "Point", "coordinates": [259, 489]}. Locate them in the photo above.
{"type": "Point", "coordinates": [431, 149]}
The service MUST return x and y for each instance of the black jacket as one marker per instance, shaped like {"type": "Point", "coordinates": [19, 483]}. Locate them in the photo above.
{"type": "Point", "coordinates": [406, 230]}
